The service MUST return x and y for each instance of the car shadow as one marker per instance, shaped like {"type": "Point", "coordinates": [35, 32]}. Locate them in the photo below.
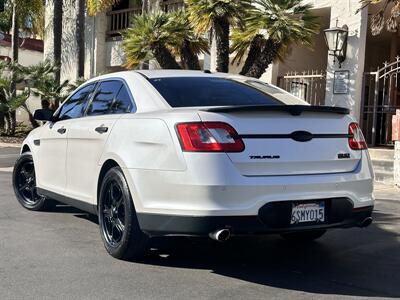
{"type": "Point", "coordinates": [63, 209]}
{"type": "Point", "coordinates": [351, 262]}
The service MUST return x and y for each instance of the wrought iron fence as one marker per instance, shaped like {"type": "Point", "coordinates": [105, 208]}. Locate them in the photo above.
{"type": "Point", "coordinates": [381, 98]}
{"type": "Point", "coordinates": [308, 85]}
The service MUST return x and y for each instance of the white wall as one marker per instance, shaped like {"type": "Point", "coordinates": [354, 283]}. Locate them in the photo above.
{"type": "Point", "coordinates": [345, 13]}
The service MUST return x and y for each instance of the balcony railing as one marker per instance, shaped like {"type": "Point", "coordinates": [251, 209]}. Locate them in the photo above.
{"type": "Point", "coordinates": [172, 5]}
{"type": "Point", "coordinates": [120, 19]}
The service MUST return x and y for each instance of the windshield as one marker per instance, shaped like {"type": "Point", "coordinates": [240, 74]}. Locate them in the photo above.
{"type": "Point", "coordinates": [214, 91]}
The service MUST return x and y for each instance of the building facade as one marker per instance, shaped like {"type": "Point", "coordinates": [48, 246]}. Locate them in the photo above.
{"type": "Point", "coordinates": [361, 83]}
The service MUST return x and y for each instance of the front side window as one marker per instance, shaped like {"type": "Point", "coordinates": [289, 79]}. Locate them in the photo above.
{"type": "Point", "coordinates": [75, 106]}
{"type": "Point", "coordinates": [214, 91]}
{"type": "Point", "coordinates": [104, 98]}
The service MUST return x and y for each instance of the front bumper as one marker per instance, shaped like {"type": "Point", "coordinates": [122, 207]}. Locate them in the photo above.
{"type": "Point", "coordinates": [272, 218]}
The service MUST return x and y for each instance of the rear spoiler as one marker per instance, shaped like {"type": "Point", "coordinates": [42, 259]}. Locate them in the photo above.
{"type": "Point", "coordinates": [294, 110]}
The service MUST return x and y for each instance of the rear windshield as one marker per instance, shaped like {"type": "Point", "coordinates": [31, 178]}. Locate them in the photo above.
{"type": "Point", "coordinates": [212, 91]}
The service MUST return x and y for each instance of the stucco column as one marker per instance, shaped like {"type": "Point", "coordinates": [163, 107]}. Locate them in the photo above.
{"type": "Point", "coordinates": [345, 13]}
{"type": "Point", "coordinates": [69, 60]}
{"type": "Point", "coordinates": [96, 48]}
{"type": "Point", "coordinates": [48, 32]}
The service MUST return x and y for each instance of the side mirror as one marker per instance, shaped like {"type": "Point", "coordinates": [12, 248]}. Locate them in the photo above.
{"type": "Point", "coordinates": [43, 115]}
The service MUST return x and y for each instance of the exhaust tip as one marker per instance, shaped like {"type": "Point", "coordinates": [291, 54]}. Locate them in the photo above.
{"type": "Point", "coordinates": [366, 222]}
{"type": "Point", "coordinates": [220, 235]}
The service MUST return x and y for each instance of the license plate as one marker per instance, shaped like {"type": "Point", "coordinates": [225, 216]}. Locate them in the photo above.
{"type": "Point", "coordinates": [308, 212]}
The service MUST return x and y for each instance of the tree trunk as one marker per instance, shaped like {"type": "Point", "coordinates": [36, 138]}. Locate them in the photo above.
{"type": "Point", "coordinates": [165, 58]}
{"type": "Point", "coordinates": [8, 123]}
{"type": "Point", "coordinates": [13, 122]}
{"type": "Point", "coordinates": [144, 65]}
{"type": "Point", "coordinates": [266, 57]}
{"type": "Point", "coordinates": [57, 36]}
{"type": "Point", "coordinates": [14, 57]}
{"type": "Point", "coordinates": [33, 122]}
{"type": "Point", "coordinates": [221, 30]}
{"type": "Point", "coordinates": [80, 37]}
{"type": "Point", "coordinates": [146, 7]}
{"type": "Point", "coordinates": [190, 61]}
{"type": "Point", "coordinates": [2, 121]}
{"type": "Point", "coordinates": [257, 44]}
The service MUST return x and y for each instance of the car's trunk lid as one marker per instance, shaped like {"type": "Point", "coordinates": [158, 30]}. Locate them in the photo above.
{"type": "Point", "coordinates": [288, 140]}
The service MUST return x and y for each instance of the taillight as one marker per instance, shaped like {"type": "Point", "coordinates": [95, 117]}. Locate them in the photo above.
{"type": "Point", "coordinates": [209, 137]}
{"type": "Point", "coordinates": [356, 138]}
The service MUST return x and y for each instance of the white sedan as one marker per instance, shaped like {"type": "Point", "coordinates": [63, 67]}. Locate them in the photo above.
{"type": "Point", "coordinates": [156, 153]}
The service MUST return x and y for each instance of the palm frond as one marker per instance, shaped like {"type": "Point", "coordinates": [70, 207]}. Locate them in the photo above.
{"type": "Point", "coordinates": [378, 19]}
{"type": "Point", "coordinates": [204, 13]}
{"type": "Point", "coordinates": [286, 22]}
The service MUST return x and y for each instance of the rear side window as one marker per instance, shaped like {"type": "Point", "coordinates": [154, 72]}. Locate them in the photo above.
{"type": "Point", "coordinates": [210, 91]}
{"type": "Point", "coordinates": [104, 98]}
{"type": "Point", "coordinates": [122, 103]}
{"type": "Point", "coordinates": [75, 106]}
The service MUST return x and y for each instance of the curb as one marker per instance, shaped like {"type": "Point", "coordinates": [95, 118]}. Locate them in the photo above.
{"type": "Point", "coordinates": [7, 170]}
{"type": "Point", "coordinates": [10, 145]}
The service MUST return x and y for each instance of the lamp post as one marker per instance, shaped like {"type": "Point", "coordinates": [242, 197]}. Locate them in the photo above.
{"type": "Point", "coordinates": [336, 40]}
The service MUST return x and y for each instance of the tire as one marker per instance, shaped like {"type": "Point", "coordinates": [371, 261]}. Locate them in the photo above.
{"type": "Point", "coordinates": [305, 236]}
{"type": "Point", "coordinates": [24, 184]}
{"type": "Point", "coordinates": [119, 227]}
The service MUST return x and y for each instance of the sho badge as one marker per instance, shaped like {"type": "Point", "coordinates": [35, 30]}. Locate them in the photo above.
{"type": "Point", "coordinates": [264, 157]}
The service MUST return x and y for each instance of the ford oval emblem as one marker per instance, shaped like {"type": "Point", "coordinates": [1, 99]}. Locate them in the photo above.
{"type": "Point", "coordinates": [301, 136]}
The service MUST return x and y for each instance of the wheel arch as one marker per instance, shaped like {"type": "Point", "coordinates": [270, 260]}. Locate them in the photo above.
{"type": "Point", "coordinates": [110, 161]}
{"type": "Point", "coordinates": [107, 165]}
{"type": "Point", "coordinates": [25, 148]}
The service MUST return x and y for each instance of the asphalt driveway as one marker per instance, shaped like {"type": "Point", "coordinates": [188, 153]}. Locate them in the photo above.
{"type": "Point", "coordinates": [8, 155]}
{"type": "Point", "coordinates": [59, 255]}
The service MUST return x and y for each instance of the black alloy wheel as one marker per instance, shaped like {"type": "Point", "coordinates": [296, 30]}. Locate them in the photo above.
{"type": "Point", "coordinates": [113, 214]}
{"type": "Point", "coordinates": [24, 183]}
{"type": "Point", "coordinates": [119, 227]}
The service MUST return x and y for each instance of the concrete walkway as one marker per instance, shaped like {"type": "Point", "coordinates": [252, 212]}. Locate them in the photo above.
{"type": "Point", "coordinates": [386, 192]}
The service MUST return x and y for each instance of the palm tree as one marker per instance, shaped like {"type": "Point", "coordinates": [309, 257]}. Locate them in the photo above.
{"type": "Point", "coordinates": [149, 38]}
{"type": "Point", "coordinates": [80, 36]}
{"type": "Point", "coordinates": [378, 20]}
{"type": "Point", "coordinates": [57, 37]}
{"type": "Point", "coordinates": [21, 10]}
{"type": "Point", "coordinates": [11, 118]}
{"type": "Point", "coordinates": [164, 36]}
{"type": "Point", "coordinates": [97, 6]}
{"type": "Point", "coordinates": [186, 43]}
{"type": "Point", "coordinates": [41, 79]}
{"type": "Point", "coordinates": [271, 28]}
{"type": "Point", "coordinates": [217, 16]}
{"type": "Point", "coordinates": [9, 101]}
{"type": "Point", "coordinates": [11, 74]}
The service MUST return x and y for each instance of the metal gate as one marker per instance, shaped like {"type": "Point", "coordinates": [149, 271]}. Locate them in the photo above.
{"type": "Point", "coordinates": [381, 98]}
{"type": "Point", "coordinates": [309, 86]}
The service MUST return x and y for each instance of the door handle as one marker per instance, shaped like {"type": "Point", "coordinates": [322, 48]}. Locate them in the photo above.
{"type": "Point", "coordinates": [101, 129]}
{"type": "Point", "coordinates": [61, 130]}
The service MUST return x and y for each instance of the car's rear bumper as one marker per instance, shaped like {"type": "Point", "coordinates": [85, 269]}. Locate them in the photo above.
{"type": "Point", "coordinates": [217, 189]}
{"type": "Point", "coordinates": [271, 218]}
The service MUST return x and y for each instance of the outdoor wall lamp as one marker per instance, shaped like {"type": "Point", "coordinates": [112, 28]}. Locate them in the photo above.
{"type": "Point", "coordinates": [336, 40]}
